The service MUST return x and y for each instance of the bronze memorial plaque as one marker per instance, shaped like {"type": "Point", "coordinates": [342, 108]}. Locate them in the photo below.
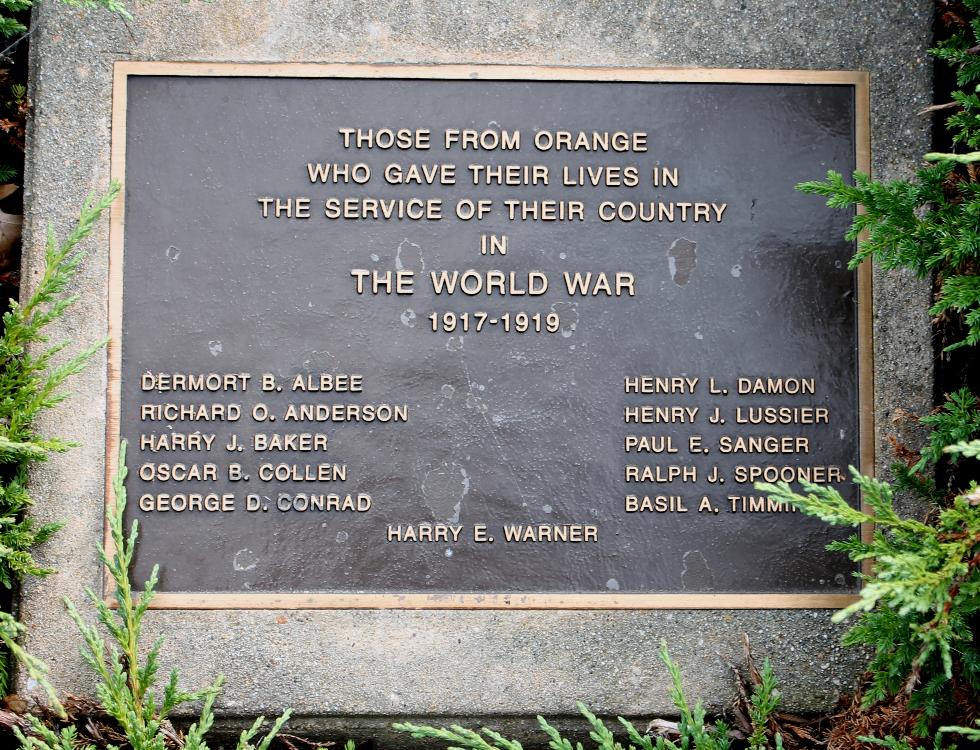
{"type": "Point", "coordinates": [480, 336]}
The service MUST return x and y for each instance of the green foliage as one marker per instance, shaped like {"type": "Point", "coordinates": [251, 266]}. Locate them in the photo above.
{"type": "Point", "coordinates": [957, 52]}
{"type": "Point", "coordinates": [127, 688]}
{"type": "Point", "coordinates": [11, 26]}
{"type": "Point", "coordinates": [113, 6]}
{"type": "Point", "coordinates": [893, 743]}
{"type": "Point", "coordinates": [971, 733]}
{"type": "Point", "coordinates": [10, 632]}
{"type": "Point", "coordinates": [43, 738]}
{"type": "Point", "coordinates": [126, 681]}
{"type": "Point", "coordinates": [246, 737]}
{"type": "Point", "coordinates": [917, 607]}
{"type": "Point", "coordinates": [14, 105]}
{"type": "Point", "coordinates": [695, 733]}
{"type": "Point", "coordinates": [928, 225]}
{"type": "Point", "coordinates": [30, 383]}
{"type": "Point", "coordinates": [692, 721]}
{"type": "Point", "coordinates": [965, 449]}
{"type": "Point", "coordinates": [957, 421]}
{"type": "Point", "coordinates": [763, 704]}
{"type": "Point", "coordinates": [460, 738]}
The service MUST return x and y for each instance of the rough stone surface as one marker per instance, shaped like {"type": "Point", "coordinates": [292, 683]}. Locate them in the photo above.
{"type": "Point", "coordinates": [358, 669]}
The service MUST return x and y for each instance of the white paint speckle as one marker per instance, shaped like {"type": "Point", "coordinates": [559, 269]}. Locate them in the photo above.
{"type": "Point", "coordinates": [682, 260]}
{"type": "Point", "coordinates": [173, 253]}
{"type": "Point", "coordinates": [563, 256]}
{"type": "Point", "coordinates": [374, 257]}
{"type": "Point", "coordinates": [546, 508]}
{"type": "Point", "coordinates": [612, 584]}
{"type": "Point", "coordinates": [215, 347]}
{"type": "Point", "coordinates": [449, 553]}
{"type": "Point", "coordinates": [736, 270]}
{"type": "Point", "coordinates": [341, 537]}
{"type": "Point", "coordinates": [567, 317]}
{"type": "Point", "coordinates": [413, 256]}
{"type": "Point", "coordinates": [408, 318]}
{"type": "Point", "coordinates": [444, 489]}
{"type": "Point", "coordinates": [476, 403]}
{"type": "Point", "coordinates": [699, 336]}
{"type": "Point", "coordinates": [244, 560]}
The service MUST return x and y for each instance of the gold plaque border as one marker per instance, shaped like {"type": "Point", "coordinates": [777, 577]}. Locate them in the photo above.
{"type": "Point", "coordinates": [122, 70]}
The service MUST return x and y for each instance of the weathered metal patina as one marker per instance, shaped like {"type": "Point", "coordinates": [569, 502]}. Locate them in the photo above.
{"type": "Point", "coordinates": [670, 322]}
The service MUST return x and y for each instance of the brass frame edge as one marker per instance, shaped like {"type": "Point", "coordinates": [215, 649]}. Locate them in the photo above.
{"type": "Point", "coordinates": [489, 72]}
{"type": "Point", "coordinates": [117, 225]}
{"type": "Point", "coordinates": [517, 601]}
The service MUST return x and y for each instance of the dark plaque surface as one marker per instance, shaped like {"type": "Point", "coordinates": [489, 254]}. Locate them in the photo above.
{"type": "Point", "coordinates": [606, 442]}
